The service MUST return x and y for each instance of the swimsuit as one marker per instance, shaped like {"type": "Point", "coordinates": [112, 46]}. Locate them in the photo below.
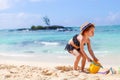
{"type": "Point", "coordinates": [75, 40]}
{"type": "Point", "coordinates": [69, 47]}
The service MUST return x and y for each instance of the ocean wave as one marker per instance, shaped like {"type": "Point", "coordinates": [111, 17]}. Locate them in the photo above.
{"type": "Point", "coordinates": [102, 52]}
{"type": "Point", "coordinates": [47, 43]}
{"type": "Point", "coordinates": [6, 54]}
{"type": "Point", "coordinates": [50, 43]}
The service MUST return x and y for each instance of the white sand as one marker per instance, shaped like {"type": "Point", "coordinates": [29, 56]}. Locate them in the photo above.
{"type": "Point", "coordinates": [48, 68]}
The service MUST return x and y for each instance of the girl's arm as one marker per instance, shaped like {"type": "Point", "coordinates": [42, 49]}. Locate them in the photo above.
{"type": "Point", "coordinates": [91, 51]}
{"type": "Point", "coordinates": [83, 52]}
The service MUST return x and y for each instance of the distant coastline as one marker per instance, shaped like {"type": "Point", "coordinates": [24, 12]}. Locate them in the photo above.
{"type": "Point", "coordinates": [53, 27]}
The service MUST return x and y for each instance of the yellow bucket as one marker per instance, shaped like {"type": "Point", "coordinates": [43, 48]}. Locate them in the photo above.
{"type": "Point", "coordinates": [94, 67]}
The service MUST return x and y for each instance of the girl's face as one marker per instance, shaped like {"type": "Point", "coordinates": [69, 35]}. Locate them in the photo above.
{"type": "Point", "coordinates": [91, 32]}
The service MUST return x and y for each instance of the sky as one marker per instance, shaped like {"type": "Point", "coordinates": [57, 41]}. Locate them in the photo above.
{"type": "Point", "coordinates": [25, 13]}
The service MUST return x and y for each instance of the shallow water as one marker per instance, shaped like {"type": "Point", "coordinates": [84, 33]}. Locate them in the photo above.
{"type": "Point", "coordinates": [106, 41]}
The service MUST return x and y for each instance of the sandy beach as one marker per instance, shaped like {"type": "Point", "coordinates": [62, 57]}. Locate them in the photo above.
{"type": "Point", "coordinates": [40, 39]}
{"type": "Point", "coordinates": [24, 68]}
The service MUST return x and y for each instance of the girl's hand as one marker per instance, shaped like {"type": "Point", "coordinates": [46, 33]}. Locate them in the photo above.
{"type": "Point", "coordinates": [95, 59]}
{"type": "Point", "coordinates": [89, 60]}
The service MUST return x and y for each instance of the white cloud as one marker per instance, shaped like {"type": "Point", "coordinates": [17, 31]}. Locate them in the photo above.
{"type": "Point", "coordinates": [19, 20]}
{"type": "Point", "coordinates": [110, 19]}
{"type": "Point", "coordinates": [4, 4]}
{"type": "Point", "coordinates": [35, 0]}
{"type": "Point", "coordinates": [39, 0]}
{"type": "Point", "coordinates": [113, 17]}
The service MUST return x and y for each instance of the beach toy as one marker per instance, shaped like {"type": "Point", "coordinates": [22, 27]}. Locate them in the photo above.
{"type": "Point", "coordinates": [94, 67]}
{"type": "Point", "coordinates": [119, 70]}
{"type": "Point", "coordinates": [113, 70]}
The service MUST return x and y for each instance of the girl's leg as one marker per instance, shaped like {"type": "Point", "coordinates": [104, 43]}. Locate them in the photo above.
{"type": "Point", "coordinates": [78, 56]}
{"type": "Point", "coordinates": [83, 63]}
{"type": "Point", "coordinates": [76, 62]}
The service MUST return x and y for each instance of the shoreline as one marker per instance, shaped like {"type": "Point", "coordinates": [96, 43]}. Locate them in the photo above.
{"type": "Point", "coordinates": [52, 58]}
{"type": "Point", "coordinates": [49, 68]}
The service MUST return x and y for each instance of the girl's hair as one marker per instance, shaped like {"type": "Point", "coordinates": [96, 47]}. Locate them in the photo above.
{"type": "Point", "coordinates": [88, 28]}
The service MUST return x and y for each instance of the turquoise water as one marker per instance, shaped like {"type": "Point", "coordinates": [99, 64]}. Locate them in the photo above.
{"type": "Point", "coordinates": [105, 42]}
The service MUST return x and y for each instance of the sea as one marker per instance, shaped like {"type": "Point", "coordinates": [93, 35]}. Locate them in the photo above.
{"type": "Point", "coordinates": [106, 41]}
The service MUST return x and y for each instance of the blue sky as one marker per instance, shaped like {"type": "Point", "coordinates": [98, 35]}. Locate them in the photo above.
{"type": "Point", "coordinates": [25, 13]}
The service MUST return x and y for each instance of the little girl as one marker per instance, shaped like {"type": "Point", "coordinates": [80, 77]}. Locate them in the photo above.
{"type": "Point", "coordinates": [75, 45]}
